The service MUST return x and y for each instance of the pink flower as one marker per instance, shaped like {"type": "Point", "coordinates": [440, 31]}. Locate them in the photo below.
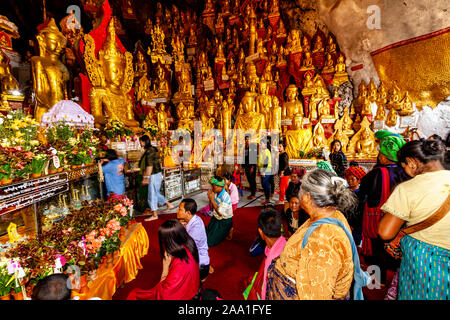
{"type": "Point", "coordinates": [113, 225]}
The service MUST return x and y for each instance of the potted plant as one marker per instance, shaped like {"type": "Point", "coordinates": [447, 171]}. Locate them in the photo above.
{"type": "Point", "coordinates": [37, 165]}
{"type": "Point", "coordinates": [5, 283]}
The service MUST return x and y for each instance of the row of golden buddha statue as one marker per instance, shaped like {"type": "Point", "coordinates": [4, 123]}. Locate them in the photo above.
{"type": "Point", "coordinates": [112, 76]}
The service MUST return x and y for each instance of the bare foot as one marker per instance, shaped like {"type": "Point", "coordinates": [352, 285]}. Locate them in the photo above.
{"type": "Point", "coordinates": [280, 202]}
{"type": "Point", "coordinates": [169, 207]}
{"type": "Point", "coordinates": [151, 218]}
{"type": "Point", "coordinates": [250, 197]}
{"type": "Point", "coordinates": [211, 269]}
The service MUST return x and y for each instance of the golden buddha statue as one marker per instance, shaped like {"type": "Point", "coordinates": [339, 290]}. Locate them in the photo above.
{"type": "Point", "coordinates": [267, 74]}
{"type": "Point", "coordinates": [331, 46]}
{"type": "Point", "coordinates": [372, 92]}
{"type": "Point", "coordinates": [281, 30]}
{"type": "Point", "coordinates": [362, 93]}
{"type": "Point", "coordinates": [307, 63]}
{"type": "Point", "coordinates": [9, 84]}
{"type": "Point", "coordinates": [249, 119]}
{"type": "Point", "coordinates": [280, 56]}
{"type": "Point", "coordinates": [391, 119]}
{"type": "Point", "coordinates": [111, 77]}
{"type": "Point", "coordinates": [185, 121]}
{"type": "Point", "coordinates": [293, 44]}
{"type": "Point", "coordinates": [260, 48]}
{"type": "Point", "coordinates": [158, 44]}
{"type": "Point", "coordinates": [160, 85]}
{"type": "Point", "coordinates": [297, 138]}
{"type": "Point", "coordinates": [340, 76]}
{"type": "Point", "coordinates": [362, 144]}
{"type": "Point", "coordinates": [394, 98]}
{"type": "Point", "coordinates": [308, 85]}
{"type": "Point", "coordinates": [306, 46]}
{"type": "Point", "coordinates": [264, 103]}
{"type": "Point", "coordinates": [225, 117]}
{"type": "Point", "coordinates": [347, 123]}
{"type": "Point", "coordinates": [148, 26]}
{"type": "Point", "coordinates": [292, 106]}
{"type": "Point", "coordinates": [381, 113]}
{"type": "Point", "coordinates": [329, 64]}
{"type": "Point", "coordinates": [274, 8]}
{"type": "Point", "coordinates": [318, 45]}
{"type": "Point", "coordinates": [321, 88]}
{"type": "Point", "coordinates": [319, 140]}
{"type": "Point", "coordinates": [163, 124]}
{"type": "Point", "coordinates": [407, 106]}
{"type": "Point", "coordinates": [220, 56]}
{"type": "Point", "coordinates": [140, 67]}
{"type": "Point", "coordinates": [142, 88]}
{"type": "Point", "coordinates": [226, 8]}
{"type": "Point", "coordinates": [324, 110]}
{"type": "Point", "coordinates": [382, 96]}
{"type": "Point", "coordinates": [208, 117]}
{"type": "Point", "coordinates": [366, 108]}
{"type": "Point", "coordinates": [251, 74]}
{"type": "Point", "coordinates": [275, 117]}
{"type": "Point", "coordinates": [192, 41]}
{"type": "Point", "coordinates": [50, 75]}
{"type": "Point", "coordinates": [184, 83]}
{"type": "Point", "coordinates": [150, 119]}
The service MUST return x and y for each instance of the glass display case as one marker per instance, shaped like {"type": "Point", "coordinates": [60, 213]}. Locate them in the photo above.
{"type": "Point", "coordinates": [173, 183]}
{"type": "Point", "coordinates": [34, 205]}
{"type": "Point", "coordinates": [191, 181]}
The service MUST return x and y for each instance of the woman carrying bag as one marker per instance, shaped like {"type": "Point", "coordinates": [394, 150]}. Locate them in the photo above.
{"type": "Point", "coordinates": [423, 204]}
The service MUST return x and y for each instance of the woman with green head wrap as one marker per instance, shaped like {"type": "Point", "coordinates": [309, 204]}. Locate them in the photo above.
{"type": "Point", "coordinates": [375, 189]}
{"type": "Point", "coordinates": [221, 222]}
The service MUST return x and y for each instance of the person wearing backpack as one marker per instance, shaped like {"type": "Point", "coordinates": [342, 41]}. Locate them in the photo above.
{"type": "Point", "coordinates": [320, 260]}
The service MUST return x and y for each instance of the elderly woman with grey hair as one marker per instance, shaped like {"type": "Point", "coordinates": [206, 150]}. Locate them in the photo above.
{"type": "Point", "coordinates": [320, 259]}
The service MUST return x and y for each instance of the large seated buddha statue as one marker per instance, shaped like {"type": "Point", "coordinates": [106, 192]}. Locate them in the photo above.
{"type": "Point", "coordinates": [297, 138]}
{"type": "Point", "coordinates": [111, 76]}
{"type": "Point", "coordinates": [249, 119]}
{"type": "Point", "coordinates": [50, 75]}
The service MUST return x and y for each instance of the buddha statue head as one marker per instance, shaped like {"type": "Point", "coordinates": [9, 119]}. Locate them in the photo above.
{"type": "Point", "coordinates": [112, 61]}
{"type": "Point", "coordinates": [248, 103]}
{"type": "Point", "coordinates": [263, 88]}
{"type": "Point", "coordinates": [210, 108]}
{"type": "Point", "coordinates": [51, 41]}
{"type": "Point", "coordinates": [291, 92]}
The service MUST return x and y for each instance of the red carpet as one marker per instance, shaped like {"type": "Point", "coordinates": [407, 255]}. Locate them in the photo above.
{"type": "Point", "coordinates": [231, 259]}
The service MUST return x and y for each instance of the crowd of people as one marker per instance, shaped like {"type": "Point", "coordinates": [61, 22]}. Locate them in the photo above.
{"type": "Point", "coordinates": [330, 225]}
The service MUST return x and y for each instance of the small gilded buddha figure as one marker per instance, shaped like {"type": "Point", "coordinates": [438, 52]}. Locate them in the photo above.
{"type": "Point", "coordinates": [50, 75]}
{"type": "Point", "coordinates": [275, 118]}
{"type": "Point", "coordinates": [306, 46]}
{"type": "Point", "coordinates": [381, 113]}
{"type": "Point", "coordinates": [366, 108]}
{"type": "Point", "coordinates": [267, 74]}
{"type": "Point", "coordinates": [382, 96]}
{"type": "Point", "coordinates": [339, 135]}
{"type": "Point", "coordinates": [347, 123]}
{"type": "Point", "coordinates": [362, 93]}
{"type": "Point", "coordinates": [225, 119]}
{"type": "Point", "coordinates": [297, 138]}
{"type": "Point", "coordinates": [163, 124]}
{"type": "Point", "coordinates": [292, 106]}
{"type": "Point", "coordinates": [192, 41]}
{"type": "Point", "coordinates": [394, 98]}
{"type": "Point", "coordinates": [220, 56]}
{"type": "Point", "coordinates": [372, 92]}
{"type": "Point", "coordinates": [249, 119]}
{"type": "Point", "coordinates": [281, 30]}
{"type": "Point", "coordinates": [161, 85]}
{"type": "Point", "coordinates": [232, 74]}
{"type": "Point", "coordinates": [185, 122]}
{"type": "Point", "coordinates": [321, 88]}
{"type": "Point", "coordinates": [391, 119]}
{"type": "Point", "coordinates": [331, 46]}
{"type": "Point", "coordinates": [184, 83]}
{"type": "Point", "coordinates": [280, 56]}
{"type": "Point", "coordinates": [319, 140]}
{"type": "Point", "coordinates": [308, 85]}
{"type": "Point", "coordinates": [407, 106]}
{"type": "Point", "coordinates": [329, 64]}
{"type": "Point", "coordinates": [307, 62]}
{"type": "Point", "coordinates": [264, 103]}
{"type": "Point", "coordinates": [318, 45]}
{"type": "Point", "coordinates": [323, 110]}
{"type": "Point", "coordinates": [366, 146]}
{"type": "Point", "coordinates": [112, 78]}
{"type": "Point", "coordinates": [261, 48]}
{"type": "Point", "coordinates": [294, 42]}
{"type": "Point", "coordinates": [340, 76]}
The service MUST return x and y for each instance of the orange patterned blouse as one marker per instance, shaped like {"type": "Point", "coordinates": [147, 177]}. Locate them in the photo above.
{"type": "Point", "coordinates": [323, 269]}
